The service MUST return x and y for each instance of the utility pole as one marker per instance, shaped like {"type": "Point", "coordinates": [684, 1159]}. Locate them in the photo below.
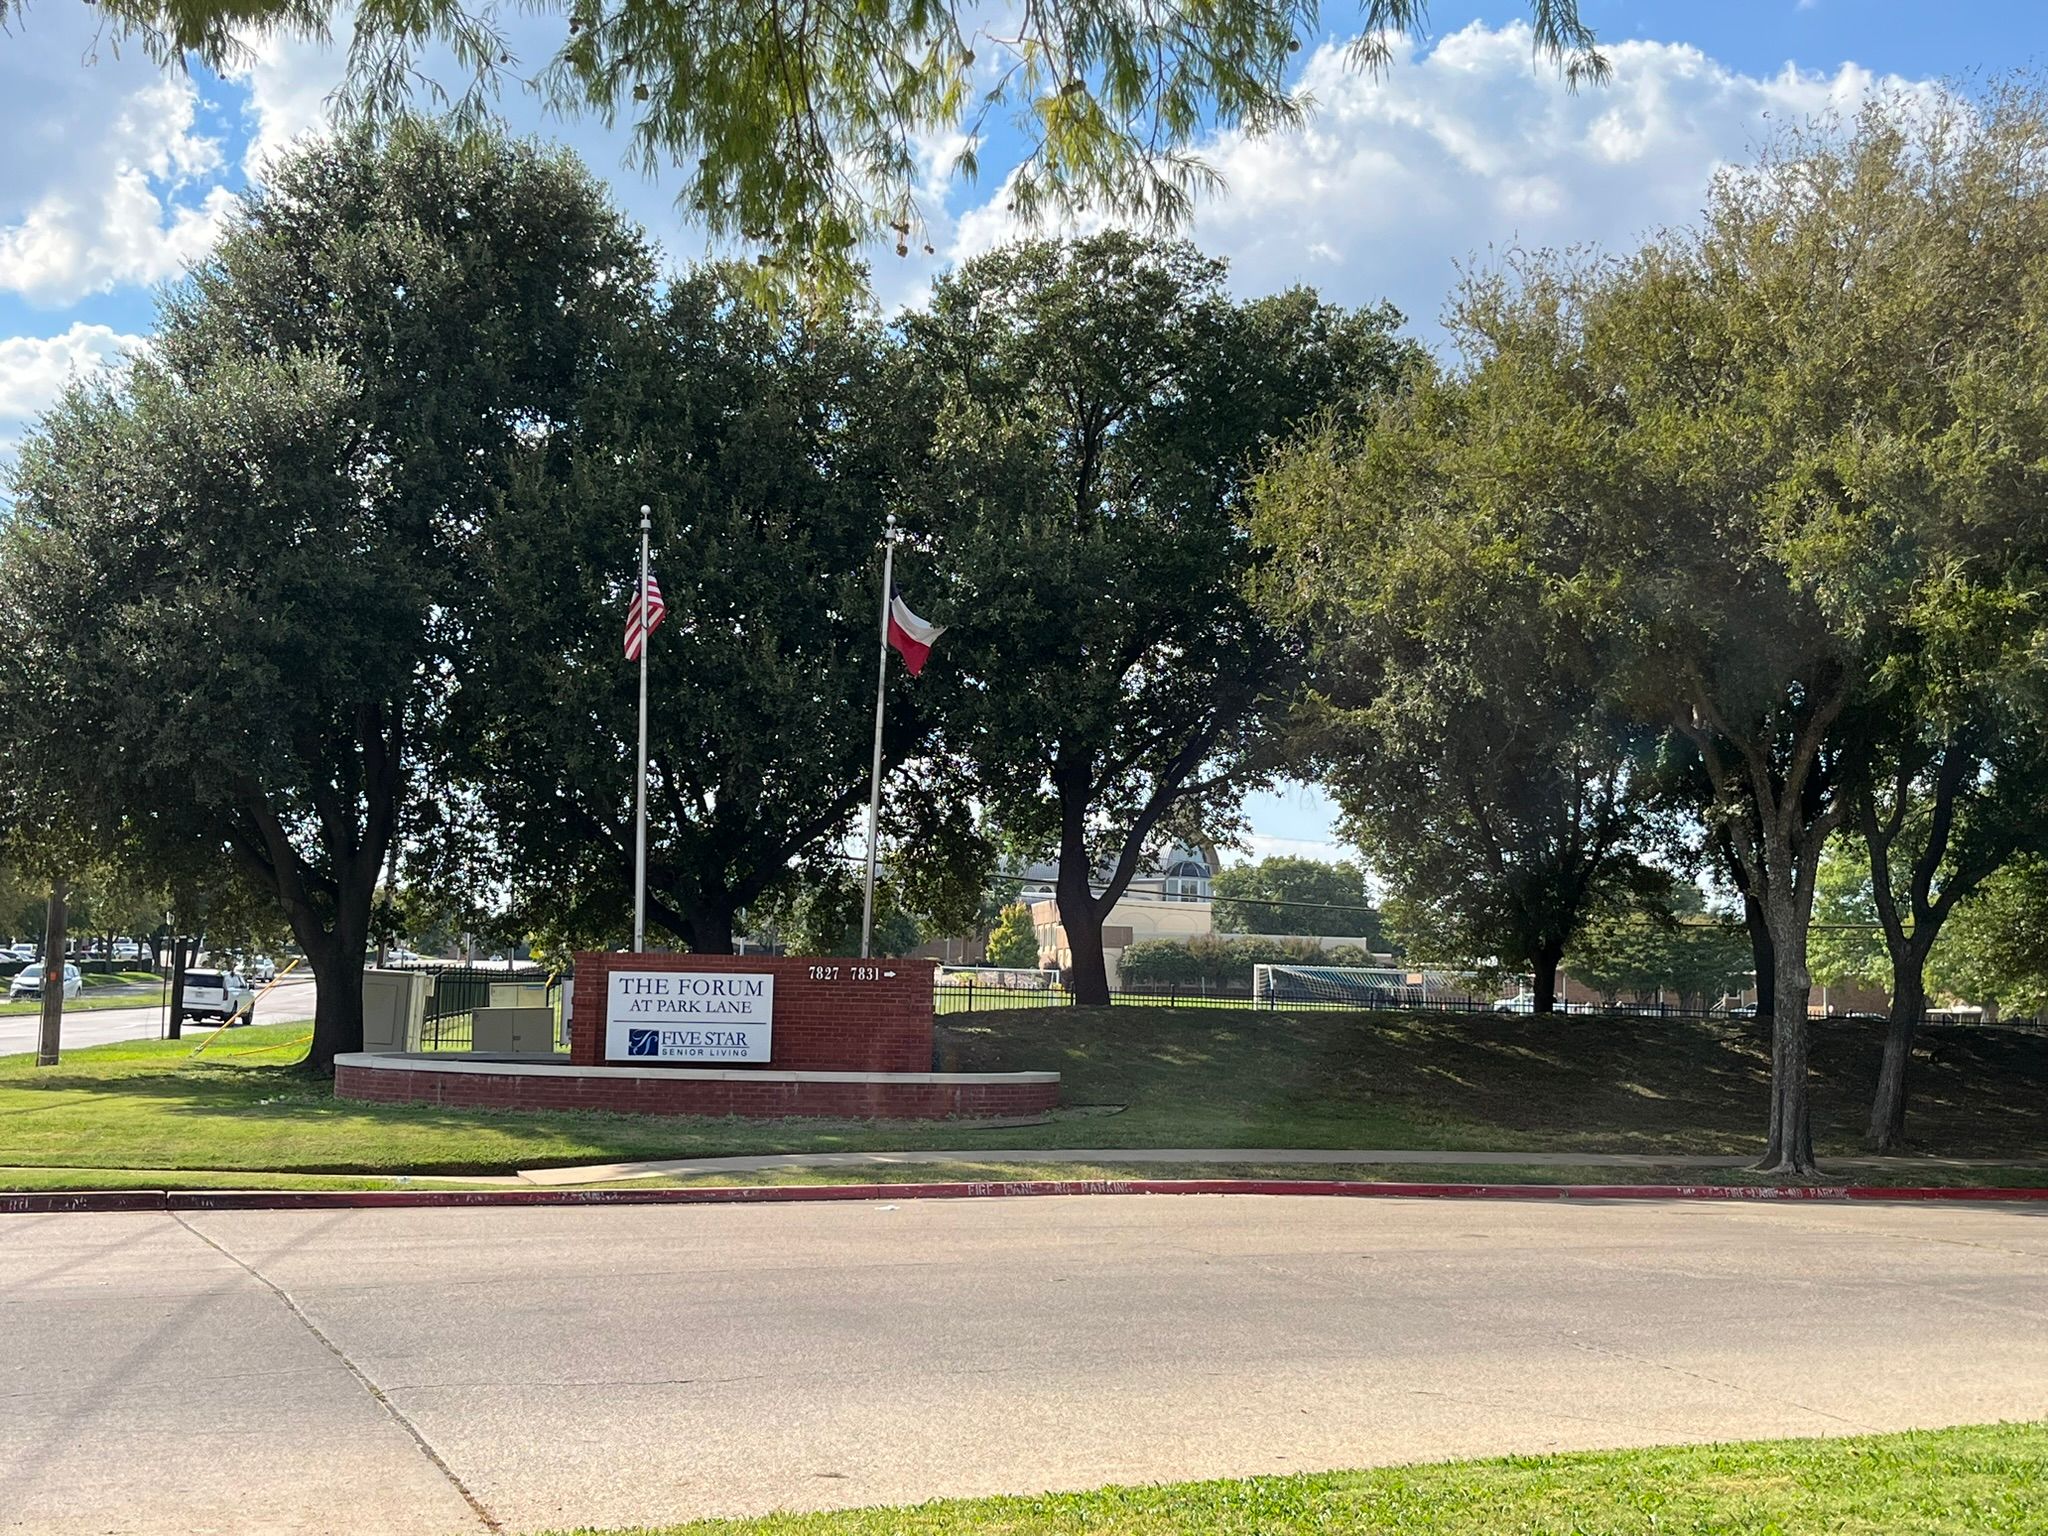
{"type": "Point", "coordinates": [867, 900]}
{"type": "Point", "coordinates": [640, 780]}
{"type": "Point", "coordinates": [164, 1017]}
{"type": "Point", "coordinates": [177, 1029]}
{"type": "Point", "coordinates": [53, 976]}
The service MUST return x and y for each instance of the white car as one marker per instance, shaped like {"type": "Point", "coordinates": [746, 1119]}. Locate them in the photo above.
{"type": "Point", "coordinates": [1526, 1003]}
{"type": "Point", "coordinates": [30, 983]}
{"type": "Point", "coordinates": [222, 996]}
{"type": "Point", "coordinates": [22, 952]}
{"type": "Point", "coordinates": [127, 949]}
{"type": "Point", "coordinates": [263, 969]}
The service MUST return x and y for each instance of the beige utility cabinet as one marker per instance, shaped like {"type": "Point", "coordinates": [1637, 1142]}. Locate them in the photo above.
{"type": "Point", "coordinates": [519, 994]}
{"type": "Point", "coordinates": [513, 1030]}
{"type": "Point", "coordinates": [395, 1009]}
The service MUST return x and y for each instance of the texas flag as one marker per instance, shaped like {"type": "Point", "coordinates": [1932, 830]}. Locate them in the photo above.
{"type": "Point", "coordinates": [913, 637]}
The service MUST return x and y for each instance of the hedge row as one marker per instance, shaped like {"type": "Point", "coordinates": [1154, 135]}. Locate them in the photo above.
{"type": "Point", "coordinates": [1213, 962]}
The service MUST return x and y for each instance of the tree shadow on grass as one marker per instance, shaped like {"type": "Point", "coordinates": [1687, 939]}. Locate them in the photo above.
{"type": "Point", "coordinates": [1506, 1082]}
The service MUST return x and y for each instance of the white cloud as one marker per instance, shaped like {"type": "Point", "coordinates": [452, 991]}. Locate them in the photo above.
{"type": "Point", "coordinates": [289, 81]}
{"type": "Point", "coordinates": [35, 369]}
{"type": "Point", "coordinates": [111, 179]}
{"type": "Point", "coordinates": [1470, 146]}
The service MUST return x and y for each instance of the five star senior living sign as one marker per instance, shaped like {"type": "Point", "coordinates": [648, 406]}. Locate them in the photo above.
{"type": "Point", "coordinates": [689, 1016]}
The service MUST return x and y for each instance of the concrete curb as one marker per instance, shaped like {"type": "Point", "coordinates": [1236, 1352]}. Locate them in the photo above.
{"type": "Point", "coordinates": [63, 1201]}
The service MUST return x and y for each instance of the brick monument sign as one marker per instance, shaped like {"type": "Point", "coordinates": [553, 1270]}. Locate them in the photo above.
{"type": "Point", "coordinates": [811, 1015]}
{"type": "Point", "coordinates": [720, 1035]}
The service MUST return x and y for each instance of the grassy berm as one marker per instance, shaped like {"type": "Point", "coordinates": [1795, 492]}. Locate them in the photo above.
{"type": "Point", "coordinates": [1133, 1077]}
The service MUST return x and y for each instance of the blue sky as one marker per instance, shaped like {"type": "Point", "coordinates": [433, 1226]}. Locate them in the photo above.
{"type": "Point", "coordinates": [117, 173]}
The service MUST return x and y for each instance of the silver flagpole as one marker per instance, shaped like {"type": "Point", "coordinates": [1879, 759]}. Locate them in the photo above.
{"type": "Point", "coordinates": [640, 785]}
{"type": "Point", "coordinates": [867, 905]}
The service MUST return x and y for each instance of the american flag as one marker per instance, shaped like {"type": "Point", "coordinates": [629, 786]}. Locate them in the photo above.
{"type": "Point", "coordinates": [637, 631]}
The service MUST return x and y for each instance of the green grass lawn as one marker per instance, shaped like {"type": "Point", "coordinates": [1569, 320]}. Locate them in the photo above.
{"type": "Point", "coordinates": [85, 1002]}
{"type": "Point", "coordinates": [1133, 1077]}
{"type": "Point", "coordinates": [1990, 1481]}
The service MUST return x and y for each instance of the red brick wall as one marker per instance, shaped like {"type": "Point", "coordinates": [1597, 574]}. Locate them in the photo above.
{"type": "Point", "coordinates": [821, 1024]}
{"type": "Point", "coordinates": [658, 1094]}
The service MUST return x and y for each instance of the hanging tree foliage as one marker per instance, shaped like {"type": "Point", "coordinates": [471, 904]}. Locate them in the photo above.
{"type": "Point", "coordinates": [805, 130]}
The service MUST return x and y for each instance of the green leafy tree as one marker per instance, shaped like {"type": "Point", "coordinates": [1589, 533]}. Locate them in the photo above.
{"type": "Point", "coordinates": [1456, 712]}
{"type": "Point", "coordinates": [1847, 947]}
{"type": "Point", "coordinates": [803, 130]}
{"type": "Point", "coordinates": [1961, 786]}
{"type": "Point", "coordinates": [1835, 427]}
{"type": "Point", "coordinates": [822, 916]}
{"type": "Point", "coordinates": [1014, 939]}
{"type": "Point", "coordinates": [1213, 962]}
{"type": "Point", "coordinates": [1749, 453]}
{"type": "Point", "coordinates": [250, 563]}
{"type": "Point", "coordinates": [767, 447]}
{"type": "Point", "coordinates": [1100, 407]}
{"type": "Point", "coordinates": [1285, 894]}
{"type": "Point", "coordinates": [1665, 942]}
{"type": "Point", "coordinates": [1994, 948]}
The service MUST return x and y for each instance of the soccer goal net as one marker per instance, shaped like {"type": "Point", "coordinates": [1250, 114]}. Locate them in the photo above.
{"type": "Point", "coordinates": [1356, 986]}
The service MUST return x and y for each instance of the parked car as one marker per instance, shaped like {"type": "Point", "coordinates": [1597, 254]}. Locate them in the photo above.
{"type": "Point", "coordinates": [263, 970]}
{"type": "Point", "coordinates": [1525, 1003]}
{"type": "Point", "coordinates": [127, 949]}
{"type": "Point", "coordinates": [29, 983]}
{"type": "Point", "coordinates": [22, 952]}
{"type": "Point", "coordinates": [222, 996]}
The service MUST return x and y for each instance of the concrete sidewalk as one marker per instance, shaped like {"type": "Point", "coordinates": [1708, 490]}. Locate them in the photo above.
{"type": "Point", "coordinates": [607, 1173]}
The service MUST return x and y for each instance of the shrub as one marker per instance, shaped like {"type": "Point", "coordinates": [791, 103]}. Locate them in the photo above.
{"type": "Point", "coordinates": [1159, 962]}
{"type": "Point", "coordinates": [1014, 940]}
{"type": "Point", "coordinates": [1207, 960]}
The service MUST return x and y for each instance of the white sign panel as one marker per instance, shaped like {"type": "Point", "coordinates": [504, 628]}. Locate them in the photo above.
{"type": "Point", "coordinates": [689, 1016]}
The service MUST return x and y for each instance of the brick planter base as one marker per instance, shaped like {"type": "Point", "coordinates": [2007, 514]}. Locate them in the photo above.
{"type": "Point", "coordinates": [470, 1081]}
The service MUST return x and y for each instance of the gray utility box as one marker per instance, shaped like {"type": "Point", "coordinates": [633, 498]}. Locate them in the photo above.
{"type": "Point", "coordinates": [395, 1009]}
{"type": "Point", "coordinates": [519, 1031]}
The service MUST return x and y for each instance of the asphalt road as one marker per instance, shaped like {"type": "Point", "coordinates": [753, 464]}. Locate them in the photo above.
{"type": "Point", "coordinates": [291, 998]}
{"type": "Point", "coordinates": [425, 1371]}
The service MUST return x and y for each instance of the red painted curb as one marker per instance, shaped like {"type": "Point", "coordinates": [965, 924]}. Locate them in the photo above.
{"type": "Point", "coordinates": [58, 1201]}
{"type": "Point", "coordinates": [777, 1194]}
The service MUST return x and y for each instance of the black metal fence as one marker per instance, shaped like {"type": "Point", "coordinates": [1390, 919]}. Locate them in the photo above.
{"type": "Point", "coordinates": [959, 993]}
{"type": "Point", "coordinates": [459, 991]}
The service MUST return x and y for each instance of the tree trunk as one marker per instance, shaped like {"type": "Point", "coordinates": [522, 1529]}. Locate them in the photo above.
{"type": "Point", "coordinates": [1790, 1149]}
{"type": "Point", "coordinates": [48, 1037]}
{"type": "Point", "coordinates": [336, 959]}
{"type": "Point", "coordinates": [711, 931]}
{"type": "Point", "coordinates": [1544, 992]}
{"type": "Point", "coordinates": [1081, 913]}
{"type": "Point", "coordinates": [1082, 920]}
{"type": "Point", "coordinates": [1887, 1131]}
{"type": "Point", "coordinates": [175, 1027]}
{"type": "Point", "coordinates": [1763, 955]}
